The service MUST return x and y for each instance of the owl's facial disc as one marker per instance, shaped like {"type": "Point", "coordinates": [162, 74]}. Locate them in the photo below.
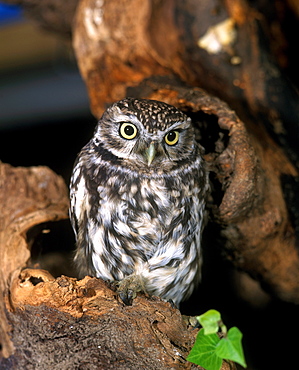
{"type": "Point", "coordinates": [150, 138]}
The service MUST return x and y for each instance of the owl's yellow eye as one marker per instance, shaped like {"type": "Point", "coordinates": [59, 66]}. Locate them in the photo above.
{"type": "Point", "coordinates": [128, 130]}
{"type": "Point", "coordinates": [172, 138]}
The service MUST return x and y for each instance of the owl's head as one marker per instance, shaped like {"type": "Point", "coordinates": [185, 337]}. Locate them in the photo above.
{"type": "Point", "coordinates": [146, 134]}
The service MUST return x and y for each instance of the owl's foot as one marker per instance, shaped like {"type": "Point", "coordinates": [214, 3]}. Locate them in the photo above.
{"type": "Point", "coordinates": [128, 288]}
{"type": "Point", "coordinates": [191, 321]}
{"type": "Point", "coordinates": [173, 305]}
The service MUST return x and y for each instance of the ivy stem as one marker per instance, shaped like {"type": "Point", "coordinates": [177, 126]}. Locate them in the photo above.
{"type": "Point", "coordinates": [222, 328]}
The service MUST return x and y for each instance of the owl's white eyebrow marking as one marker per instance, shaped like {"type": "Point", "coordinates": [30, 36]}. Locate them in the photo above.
{"type": "Point", "coordinates": [155, 116]}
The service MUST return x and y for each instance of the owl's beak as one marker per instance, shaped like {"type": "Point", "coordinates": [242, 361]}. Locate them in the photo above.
{"type": "Point", "coordinates": [150, 153]}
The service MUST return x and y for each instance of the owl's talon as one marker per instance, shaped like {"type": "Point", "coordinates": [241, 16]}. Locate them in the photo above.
{"type": "Point", "coordinates": [173, 305]}
{"type": "Point", "coordinates": [128, 288]}
{"type": "Point", "coordinates": [124, 298]}
{"type": "Point", "coordinates": [191, 321]}
{"type": "Point", "coordinates": [127, 297]}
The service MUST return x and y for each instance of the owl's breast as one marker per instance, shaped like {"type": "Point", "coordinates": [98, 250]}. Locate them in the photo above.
{"type": "Point", "coordinates": [150, 206]}
{"type": "Point", "coordinates": [134, 214]}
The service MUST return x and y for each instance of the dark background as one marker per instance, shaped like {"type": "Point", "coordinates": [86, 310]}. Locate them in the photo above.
{"type": "Point", "coordinates": [44, 108]}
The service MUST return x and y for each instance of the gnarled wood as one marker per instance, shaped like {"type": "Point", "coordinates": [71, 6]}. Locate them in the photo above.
{"type": "Point", "coordinates": [97, 328]}
{"type": "Point", "coordinates": [28, 197]}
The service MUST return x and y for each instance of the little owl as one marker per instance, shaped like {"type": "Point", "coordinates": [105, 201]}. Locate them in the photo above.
{"type": "Point", "coordinates": [138, 193]}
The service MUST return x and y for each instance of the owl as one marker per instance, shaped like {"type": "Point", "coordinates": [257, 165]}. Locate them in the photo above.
{"type": "Point", "coordinates": [138, 193]}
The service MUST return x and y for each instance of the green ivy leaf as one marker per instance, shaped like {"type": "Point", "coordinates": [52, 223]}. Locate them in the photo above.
{"type": "Point", "coordinates": [203, 352]}
{"type": "Point", "coordinates": [209, 350]}
{"type": "Point", "coordinates": [210, 321]}
{"type": "Point", "coordinates": [230, 348]}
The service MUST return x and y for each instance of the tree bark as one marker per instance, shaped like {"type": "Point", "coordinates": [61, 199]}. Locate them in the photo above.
{"type": "Point", "coordinates": [82, 324]}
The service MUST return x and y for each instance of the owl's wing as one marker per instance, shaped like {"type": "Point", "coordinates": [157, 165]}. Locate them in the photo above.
{"type": "Point", "coordinates": [78, 197]}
